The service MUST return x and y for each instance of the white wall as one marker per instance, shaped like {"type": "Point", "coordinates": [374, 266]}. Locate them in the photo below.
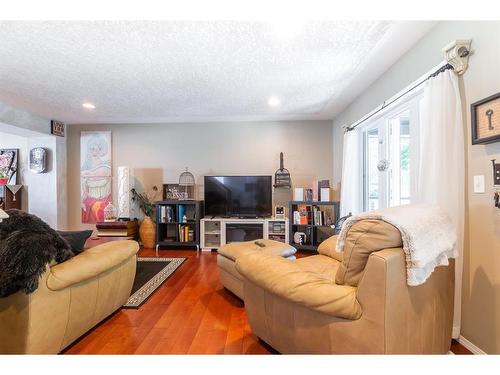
{"type": "Point", "coordinates": [481, 285]}
{"type": "Point", "coordinates": [45, 194]}
{"type": "Point", "coordinates": [158, 153]}
{"type": "Point", "coordinates": [8, 140]}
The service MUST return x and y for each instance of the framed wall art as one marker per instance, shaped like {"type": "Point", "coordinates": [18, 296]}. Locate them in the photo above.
{"type": "Point", "coordinates": [485, 120]}
{"type": "Point", "coordinates": [8, 165]}
{"type": "Point", "coordinates": [95, 175]}
{"type": "Point", "coordinates": [57, 128]}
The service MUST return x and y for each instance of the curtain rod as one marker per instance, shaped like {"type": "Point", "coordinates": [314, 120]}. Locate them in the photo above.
{"type": "Point", "coordinates": [457, 53]}
{"type": "Point", "coordinates": [386, 104]}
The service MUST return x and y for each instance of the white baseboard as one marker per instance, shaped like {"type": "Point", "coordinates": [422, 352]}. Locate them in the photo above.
{"type": "Point", "coordinates": [473, 348]}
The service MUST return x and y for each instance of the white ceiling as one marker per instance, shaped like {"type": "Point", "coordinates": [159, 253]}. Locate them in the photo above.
{"type": "Point", "coordinates": [184, 71]}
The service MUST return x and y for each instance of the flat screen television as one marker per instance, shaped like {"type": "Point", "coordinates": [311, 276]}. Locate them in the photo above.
{"type": "Point", "coordinates": [238, 196]}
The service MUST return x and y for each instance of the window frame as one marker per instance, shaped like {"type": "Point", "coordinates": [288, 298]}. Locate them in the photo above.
{"type": "Point", "coordinates": [411, 103]}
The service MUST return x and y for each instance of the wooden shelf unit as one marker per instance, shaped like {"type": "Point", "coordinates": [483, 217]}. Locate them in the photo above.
{"type": "Point", "coordinates": [169, 223]}
{"type": "Point", "coordinates": [315, 234]}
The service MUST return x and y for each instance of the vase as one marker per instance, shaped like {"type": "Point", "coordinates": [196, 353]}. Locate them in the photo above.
{"type": "Point", "coordinates": [147, 231]}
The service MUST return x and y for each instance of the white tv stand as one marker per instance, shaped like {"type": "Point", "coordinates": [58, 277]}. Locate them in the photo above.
{"type": "Point", "coordinates": [217, 231]}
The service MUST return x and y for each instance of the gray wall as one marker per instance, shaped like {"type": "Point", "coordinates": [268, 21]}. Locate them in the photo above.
{"type": "Point", "coordinates": [158, 153]}
{"type": "Point", "coordinates": [480, 286]}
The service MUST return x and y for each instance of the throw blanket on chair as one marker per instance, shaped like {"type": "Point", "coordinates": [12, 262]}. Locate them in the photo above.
{"type": "Point", "coordinates": [27, 246]}
{"type": "Point", "coordinates": [428, 235]}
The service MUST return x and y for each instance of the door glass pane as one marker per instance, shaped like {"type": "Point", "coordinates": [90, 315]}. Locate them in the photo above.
{"type": "Point", "coordinates": [372, 174]}
{"type": "Point", "coordinates": [399, 159]}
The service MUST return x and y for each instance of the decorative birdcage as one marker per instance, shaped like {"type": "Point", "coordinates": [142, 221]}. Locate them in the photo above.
{"type": "Point", "coordinates": [110, 212]}
{"type": "Point", "coordinates": [187, 184]}
{"type": "Point", "coordinates": [282, 176]}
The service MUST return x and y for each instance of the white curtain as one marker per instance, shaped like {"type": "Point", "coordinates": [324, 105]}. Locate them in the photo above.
{"type": "Point", "coordinates": [350, 192]}
{"type": "Point", "coordinates": [441, 176]}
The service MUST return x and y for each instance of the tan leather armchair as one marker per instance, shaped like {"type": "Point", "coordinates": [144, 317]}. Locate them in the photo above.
{"type": "Point", "coordinates": [351, 302]}
{"type": "Point", "coordinates": [72, 297]}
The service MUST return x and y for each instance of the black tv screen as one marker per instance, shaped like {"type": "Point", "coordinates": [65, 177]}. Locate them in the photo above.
{"type": "Point", "coordinates": [238, 196]}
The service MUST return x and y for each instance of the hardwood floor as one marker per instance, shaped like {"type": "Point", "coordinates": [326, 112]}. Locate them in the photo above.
{"type": "Point", "coordinates": [191, 313]}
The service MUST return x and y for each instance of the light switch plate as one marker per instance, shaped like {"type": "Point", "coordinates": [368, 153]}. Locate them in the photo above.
{"type": "Point", "coordinates": [479, 184]}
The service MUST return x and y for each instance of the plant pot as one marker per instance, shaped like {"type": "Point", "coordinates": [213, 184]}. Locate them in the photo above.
{"type": "Point", "coordinates": [4, 181]}
{"type": "Point", "coordinates": [147, 231]}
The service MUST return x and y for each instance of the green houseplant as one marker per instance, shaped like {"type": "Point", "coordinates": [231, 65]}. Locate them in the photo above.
{"type": "Point", "coordinates": [146, 202]}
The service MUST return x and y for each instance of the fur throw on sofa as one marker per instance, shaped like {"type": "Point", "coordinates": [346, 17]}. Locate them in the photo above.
{"type": "Point", "coordinates": [27, 246]}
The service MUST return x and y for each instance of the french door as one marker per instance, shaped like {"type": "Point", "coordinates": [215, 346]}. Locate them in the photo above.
{"type": "Point", "coordinates": [390, 157]}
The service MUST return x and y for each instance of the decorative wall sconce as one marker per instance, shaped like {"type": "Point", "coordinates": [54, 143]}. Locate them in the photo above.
{"type": "Point", "coordinates": [38, 160]}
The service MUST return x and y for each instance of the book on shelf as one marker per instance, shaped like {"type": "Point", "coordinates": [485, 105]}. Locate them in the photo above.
{"type": "Point", "coordinates": [166, 214]}
{"type": "Point", "coordinates": [180, 213]}
{"type": "Point", "coordinates": [186, 234]}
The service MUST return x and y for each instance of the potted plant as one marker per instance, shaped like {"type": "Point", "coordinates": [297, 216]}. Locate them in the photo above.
{"type": "Point", "coordinates": [146, 202]}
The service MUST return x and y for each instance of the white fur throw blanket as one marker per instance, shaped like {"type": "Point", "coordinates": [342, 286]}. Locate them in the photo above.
{"type": "Point", "coordinates": [428, 235]}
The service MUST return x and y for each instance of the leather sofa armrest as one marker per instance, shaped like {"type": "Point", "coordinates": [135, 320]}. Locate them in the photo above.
{"type": "Point", "coordinates": [285, 279]}
{"type": "Point", "coordinates": [90, 263]}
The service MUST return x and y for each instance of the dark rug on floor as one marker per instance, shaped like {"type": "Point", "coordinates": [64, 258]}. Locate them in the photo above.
{"type": "Point", "coordinates": [150, 274]}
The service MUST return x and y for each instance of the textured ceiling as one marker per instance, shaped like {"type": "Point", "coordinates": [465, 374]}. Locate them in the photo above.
{"type": "Point", "coordinates": [178, 71]}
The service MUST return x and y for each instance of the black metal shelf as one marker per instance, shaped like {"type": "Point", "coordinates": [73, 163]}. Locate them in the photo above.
{"type": "Point", "coordinates": [312, 228]}
{"type": "Point", "coordinates": [164, 229]}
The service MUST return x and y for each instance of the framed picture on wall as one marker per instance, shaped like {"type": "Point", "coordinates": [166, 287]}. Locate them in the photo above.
{"type": "Point", "coordinates": [57, 128]}
{"type": "Point", "coordinates": [8, 165]}
{"type": "Point", "coordinates": [485, 120]}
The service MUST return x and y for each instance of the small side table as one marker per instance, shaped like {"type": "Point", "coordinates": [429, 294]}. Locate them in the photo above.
{"type": "Point", "coordinates": [94, 241]}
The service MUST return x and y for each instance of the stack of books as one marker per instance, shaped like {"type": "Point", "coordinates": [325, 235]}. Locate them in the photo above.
{"type": "Point", "coordinates": [309, 215]}
{"type": "Point", "coordinates": [128, 229]}
{"type": "Point", "coordinates": [186, 234]}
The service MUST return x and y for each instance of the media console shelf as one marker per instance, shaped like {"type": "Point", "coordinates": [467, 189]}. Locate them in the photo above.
{"type": "Point", "coordinates": [216, 232]}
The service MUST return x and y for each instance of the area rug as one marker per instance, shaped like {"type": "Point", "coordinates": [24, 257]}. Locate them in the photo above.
{"type": "Point", "coordinates": [149, 275]}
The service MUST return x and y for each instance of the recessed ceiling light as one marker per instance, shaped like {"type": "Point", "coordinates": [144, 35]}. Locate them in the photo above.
{"type": "Point", "coordinates": [274, 101]}
{"type": "Point", "coordinates": [88, 105]}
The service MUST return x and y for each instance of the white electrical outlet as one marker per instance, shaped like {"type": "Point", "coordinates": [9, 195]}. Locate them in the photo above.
{"type": "Point", "coordinates": [479, 184]}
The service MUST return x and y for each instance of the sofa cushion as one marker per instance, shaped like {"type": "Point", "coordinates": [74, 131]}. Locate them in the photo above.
{"type": "Point", "coordinates": [328, 248]}
{"type": "Point", "coordinates": [310, 289]}
{"type": "Point", "coordinates": [91, 263]}
{"type": "Point", "coordinates": [76, 239]}
{"type": "Point", "coordinates": [322, 265]}
{"type": "Point", "coordinates": [235, 250]}
{"type": "Point", "coordinates": [364, 238]}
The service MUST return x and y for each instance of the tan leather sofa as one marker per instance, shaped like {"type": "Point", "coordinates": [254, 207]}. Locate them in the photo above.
{"type": "Point", "coordinates": [72, 297]}
{"type": "Point", "coordinates": [351, 302]}
{"type": "Point", "coordinates": [229, 253]}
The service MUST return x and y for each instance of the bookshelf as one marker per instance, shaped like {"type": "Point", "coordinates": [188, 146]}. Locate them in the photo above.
{"type": "Point", "coordinates": [314, 220]}
{"type": "Point", "coordinates": [172, 230]}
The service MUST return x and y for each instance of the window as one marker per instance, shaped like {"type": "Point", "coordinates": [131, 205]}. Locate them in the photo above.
{"type": "Point", "coordinates": [390, 156]}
